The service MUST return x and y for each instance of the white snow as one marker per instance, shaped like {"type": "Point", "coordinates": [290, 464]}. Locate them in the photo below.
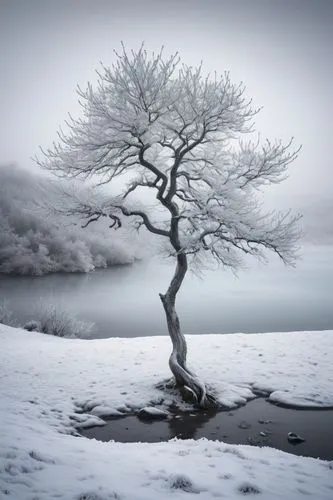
{"type": "Point", "coordinates": [44, 380]}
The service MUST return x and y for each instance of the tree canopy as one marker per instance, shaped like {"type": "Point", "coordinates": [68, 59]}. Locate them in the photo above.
{"type": "Point", "coordinates": [170, 128]}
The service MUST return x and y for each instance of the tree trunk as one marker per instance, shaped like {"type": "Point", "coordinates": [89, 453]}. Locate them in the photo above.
{"type": "Point", "coordinates": [185, 379]}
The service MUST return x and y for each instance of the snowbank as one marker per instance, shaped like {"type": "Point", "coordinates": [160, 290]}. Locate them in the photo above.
{"type": "Point", "coordinates": [45, 380]}
{"type": "Point", "coordinates": [106, 376]}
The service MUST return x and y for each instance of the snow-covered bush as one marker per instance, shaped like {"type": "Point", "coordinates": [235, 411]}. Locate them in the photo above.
{"type": "Point", "coordinates": [35, 241]}
{"type": "Point", "coordinates": [57, 321]}
{"type": "Point", "coordinates": [32, 326]}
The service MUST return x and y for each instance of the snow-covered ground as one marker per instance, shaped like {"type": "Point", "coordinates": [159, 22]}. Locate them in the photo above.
{"type": "Point", "coordinates": [45, 380]}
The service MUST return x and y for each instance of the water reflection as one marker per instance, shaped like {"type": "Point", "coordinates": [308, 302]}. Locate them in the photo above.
{"type": "Point", "coordinates": [266, 425]}
{"type": "Point", "coordinates": [187, 426]}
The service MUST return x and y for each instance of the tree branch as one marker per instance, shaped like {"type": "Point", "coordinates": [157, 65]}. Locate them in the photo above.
{"type": "Point", "coordinates": [159, 175]}
{"type": "Point", "coordinates": [145, 219]}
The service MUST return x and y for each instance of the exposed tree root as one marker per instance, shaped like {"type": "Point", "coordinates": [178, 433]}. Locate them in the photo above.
{"type": "Point", "coordinates": [195, 393]}
{"type": "Point", "coordinates": [191, 388]}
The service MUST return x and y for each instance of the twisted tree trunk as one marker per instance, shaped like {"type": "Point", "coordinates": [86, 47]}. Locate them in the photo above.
{"type": "Point", "coordinates": [184, 378]}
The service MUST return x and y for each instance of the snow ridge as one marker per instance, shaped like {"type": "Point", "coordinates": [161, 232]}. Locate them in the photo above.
{"type": "Point", "coordinates": [50, 386]}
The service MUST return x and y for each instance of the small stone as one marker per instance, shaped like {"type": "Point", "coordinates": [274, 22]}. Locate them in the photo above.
{"type": "Point", "coordinates": [265, 422]}
{"type": "Point", "coordinates": [151, 413]}
{"type": "Point", "coordinates": [249, 489]}
{"type": "Point", "coordinates": [295, 438]}
{"type": "Point", "coordinates": [244, 425]}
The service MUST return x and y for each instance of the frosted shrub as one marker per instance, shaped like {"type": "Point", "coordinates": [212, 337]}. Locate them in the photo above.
{"type": "Point", "coordinates": [32, 326]}
{"type": "Point", "coordinates": [34, 241]}
{"type": "Point", "coordinates": [56, 321]}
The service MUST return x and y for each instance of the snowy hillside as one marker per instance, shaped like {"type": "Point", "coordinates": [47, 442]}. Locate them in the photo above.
{"type": "Point", "coordinates": [51, 386]}
{"type": "Point", "coordinates": [33, 240]}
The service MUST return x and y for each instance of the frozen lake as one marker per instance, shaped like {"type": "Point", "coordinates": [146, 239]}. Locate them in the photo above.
{"type": "Point", "coordinates": [123, 301]}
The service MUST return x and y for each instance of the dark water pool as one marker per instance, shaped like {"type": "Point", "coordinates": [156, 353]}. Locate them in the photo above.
{"type": "Point", "coordinates": [258, 423]}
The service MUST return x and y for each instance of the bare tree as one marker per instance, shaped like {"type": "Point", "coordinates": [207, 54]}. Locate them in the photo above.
{"type": "Point", "coordinates": [164, 126]}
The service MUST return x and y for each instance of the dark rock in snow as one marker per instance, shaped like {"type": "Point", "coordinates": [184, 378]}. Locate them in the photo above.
{"type": "Point", "coordinates": [182, 482]}
{"type": "Point", "coordinates": [151, 413]}
{"type": "Point", "coordinates": [249, 489]}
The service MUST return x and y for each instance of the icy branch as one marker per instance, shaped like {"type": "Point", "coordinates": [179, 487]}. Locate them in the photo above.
{"type": "Point", "coordinates": [164, 126]}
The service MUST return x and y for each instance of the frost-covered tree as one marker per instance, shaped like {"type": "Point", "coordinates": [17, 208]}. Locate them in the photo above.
{"type": "Point", "coordinates": [166, 127]}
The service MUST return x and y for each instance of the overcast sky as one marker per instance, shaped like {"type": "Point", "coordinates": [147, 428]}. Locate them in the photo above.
{"type": "Point", "coordinates": [281, 49]}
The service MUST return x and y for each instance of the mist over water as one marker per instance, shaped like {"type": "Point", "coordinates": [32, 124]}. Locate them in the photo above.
{"type": "Point", "coordinates": [282, 52]}
{"type": "Point", "coordinates": [123, 301]}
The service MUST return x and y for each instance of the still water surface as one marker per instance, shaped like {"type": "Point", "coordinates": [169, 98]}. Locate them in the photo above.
{"type": "Point", "coordinates": [257, 423]}
{"type": "Point", "coordinates": [123, 301]}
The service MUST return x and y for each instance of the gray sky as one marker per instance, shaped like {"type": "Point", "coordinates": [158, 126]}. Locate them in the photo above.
{"type": "Point", "coordinates": [282, 50]}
